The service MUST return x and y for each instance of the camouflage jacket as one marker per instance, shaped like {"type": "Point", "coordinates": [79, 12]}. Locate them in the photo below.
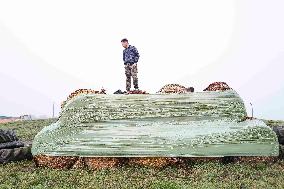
{"type": "Point", "coordinates": [130, 55]}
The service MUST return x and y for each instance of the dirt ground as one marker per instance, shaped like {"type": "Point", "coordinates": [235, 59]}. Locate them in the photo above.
{"type": "Point", "coordinates": [9, 120]}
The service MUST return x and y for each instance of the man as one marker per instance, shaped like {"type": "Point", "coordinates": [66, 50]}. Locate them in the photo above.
{"type": "Point", "coordinates": [130, 58]}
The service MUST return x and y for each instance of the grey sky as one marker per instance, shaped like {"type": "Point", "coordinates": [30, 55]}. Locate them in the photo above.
{"type": "Point", "coordinates": [50, 48]}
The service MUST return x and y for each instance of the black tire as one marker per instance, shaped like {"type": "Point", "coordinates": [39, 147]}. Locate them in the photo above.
{"type": "Point", "coordinates": [281, 151]}
{"type": "Point", "coordinates": [15, 154]}
{"type": "Point", "coordinates": [7, 136]}
{"type": "Point", "coordinates": [13, 144]}
{"type": "Point", "coordinates": [279, 130]}
{"type": "Point", "coordinates": [229, 159]}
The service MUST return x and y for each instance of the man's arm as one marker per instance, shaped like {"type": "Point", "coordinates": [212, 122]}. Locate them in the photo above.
{"type": "Point", "coordinates": [123, 56]}
{"type": "Point", "coordinates": [137, 55]}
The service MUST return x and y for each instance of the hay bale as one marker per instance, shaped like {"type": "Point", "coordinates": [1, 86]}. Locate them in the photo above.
{"type": "Point", "coordinates": [80, 92]}
{"type": "Point", "coordinates": [80, 163]}
{"type": "Point", "coordinates": [175, 88]}
{"type": "Point", "coordinates": [256, 159]}
{"type": "Point", "coordinates": [101, 162]}
{"type": "Point", "coordinates": [218, 86]}
{"type": "Point", "coordinates": [191, 160]}
{"type": "Point", "coordinates": [57, 162]}
{"type": "Point", "coordinates": [156, 162]}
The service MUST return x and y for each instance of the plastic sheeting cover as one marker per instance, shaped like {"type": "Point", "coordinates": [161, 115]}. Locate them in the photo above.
{"type": "Point", "coordinates": [192, 124]}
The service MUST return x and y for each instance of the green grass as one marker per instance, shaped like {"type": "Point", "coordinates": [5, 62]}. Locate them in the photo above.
{"type": "Point", "coordinates": [24, 174]}
{"type": "Point", "coordinates": [274, 122]}
{"type": "Point", "coordinates": [26, 130]}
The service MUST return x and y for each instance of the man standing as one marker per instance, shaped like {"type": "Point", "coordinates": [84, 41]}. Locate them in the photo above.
{"type": "Point", "coordinates": [130, 58]}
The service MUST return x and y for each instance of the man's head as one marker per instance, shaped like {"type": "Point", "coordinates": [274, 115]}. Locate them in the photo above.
{"type": "Point", "coordinates": [124, 43]}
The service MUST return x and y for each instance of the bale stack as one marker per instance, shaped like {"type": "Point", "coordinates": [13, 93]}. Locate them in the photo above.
{"type": "Point", "coordinates": [101, 162]}
{"type": "Point", "coordinates": [67, 162]}
{"type": "Point", "coordinates": [218, 86]}
{"type": "Point", "coordinates": [156, 162]}
{"type": "Point", "coordinates": [80, 92]}
{"type": "Point", "coordinates": [108, 120]}
{"type": "Point", "coordinates": [161, 161]}
{"type": "Point", "coordinates": [57, 162]}
{"type": "Point", "coordinates": [175, 88]}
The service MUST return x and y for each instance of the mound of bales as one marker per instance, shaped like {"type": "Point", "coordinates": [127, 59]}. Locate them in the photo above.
{"type": "Point", "coordinates": [68, 162]}
{"type": "Point", "coordinates": [157, 162]}
{"type": "Point", "coordinates": [218, 86]}
{"type": "Point", "coordinates": [99, 131]}
{"type": "Point", "coordinates": [57, 162]}
{"type": "Point", "coordinates": [175, 88]}
{"type": "Point", "coordinates": [80, 92]}
{"type": "Point", "coordinates": [11, 148]}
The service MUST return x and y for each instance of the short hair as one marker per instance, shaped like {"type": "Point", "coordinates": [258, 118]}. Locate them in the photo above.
{"type": "Point", "coordinates": [124, 40]}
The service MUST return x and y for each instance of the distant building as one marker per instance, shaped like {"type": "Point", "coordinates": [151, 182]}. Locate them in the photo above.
{"type": "Point", "coordinates": [26, 117]}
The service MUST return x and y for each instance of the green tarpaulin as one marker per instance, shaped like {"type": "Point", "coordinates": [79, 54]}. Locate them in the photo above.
{"type": "Point", "coordinates": [193, 124]}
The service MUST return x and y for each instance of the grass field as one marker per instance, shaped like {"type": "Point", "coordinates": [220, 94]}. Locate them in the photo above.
{"type": "Point", "coordinates": [24, 174]}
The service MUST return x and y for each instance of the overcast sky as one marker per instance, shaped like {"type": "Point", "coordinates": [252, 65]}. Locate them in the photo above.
{"type": "Point", "coordinates": [50, 48]}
